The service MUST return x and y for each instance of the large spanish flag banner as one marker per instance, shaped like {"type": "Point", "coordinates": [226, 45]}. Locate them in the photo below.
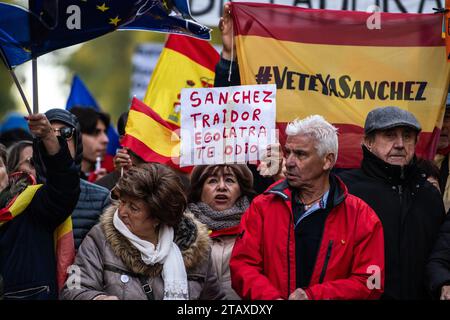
{"type": "Point", "coordinates": [185, 62]}
{"type": "Point", "coordinates": [151, 137]}
{"type": "Point", "coordinates": [340, 65]}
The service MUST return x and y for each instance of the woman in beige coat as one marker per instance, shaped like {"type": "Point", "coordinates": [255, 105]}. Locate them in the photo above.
{"type": "Point", "coordinates": [144, 246]}
{"type": "Point", "coordinates": [219, 195]}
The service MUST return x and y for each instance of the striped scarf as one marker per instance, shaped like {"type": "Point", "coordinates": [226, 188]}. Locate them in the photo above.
{"type": "Point", "coordinates": [218, 220]}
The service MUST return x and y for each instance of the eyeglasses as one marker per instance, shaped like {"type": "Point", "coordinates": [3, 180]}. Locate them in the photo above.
{"type": "Point", "coordinates": [65, 132]}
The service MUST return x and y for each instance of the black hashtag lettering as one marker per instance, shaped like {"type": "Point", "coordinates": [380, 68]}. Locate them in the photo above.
{"type": "Point", "coordinates": [263, 76]}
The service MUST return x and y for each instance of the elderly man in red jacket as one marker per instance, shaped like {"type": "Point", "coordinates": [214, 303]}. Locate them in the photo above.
{"type": "Point", "coordinates": [306, 237]}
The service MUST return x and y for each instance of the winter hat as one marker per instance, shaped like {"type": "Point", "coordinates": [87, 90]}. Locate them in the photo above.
{"type": "Point", "coordinates": [390, 117]}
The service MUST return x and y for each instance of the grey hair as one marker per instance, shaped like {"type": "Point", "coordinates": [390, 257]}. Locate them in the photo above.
{"type": "Point", "coordinates": [318, 128]}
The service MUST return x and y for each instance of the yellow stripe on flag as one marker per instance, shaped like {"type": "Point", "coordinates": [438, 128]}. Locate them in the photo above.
{"type": "Point", "coordinates": [154, 135]}
{"type": "Point", "coordinates": [360, 63]}
{"type": "Point", "coordinates": [24, 199]}
{"type": "Point", "coordinates": [174, 72]}
{"type": "Point", "coordinates": [64, 228]}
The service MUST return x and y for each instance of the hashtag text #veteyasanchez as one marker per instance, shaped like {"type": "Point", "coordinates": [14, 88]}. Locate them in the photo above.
{"type": "Point", "coordinates": [343, 86]}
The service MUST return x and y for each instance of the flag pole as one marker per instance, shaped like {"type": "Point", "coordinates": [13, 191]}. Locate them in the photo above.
{"type": "Point", "coordinates": [16, 81]}
{"type": "Point", "coordinates": [35, 86]}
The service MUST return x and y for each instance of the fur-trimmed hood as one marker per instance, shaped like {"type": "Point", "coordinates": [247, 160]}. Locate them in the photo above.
{"type": "Point", "coordinates": [191, 236]}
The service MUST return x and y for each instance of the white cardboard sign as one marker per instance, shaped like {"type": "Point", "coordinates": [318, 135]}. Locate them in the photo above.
{"type": "Point", "coordinates": [226, 125]}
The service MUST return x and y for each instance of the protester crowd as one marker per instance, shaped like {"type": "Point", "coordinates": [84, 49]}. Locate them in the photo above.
{"type": "Point", "coordinates": [300, 231]}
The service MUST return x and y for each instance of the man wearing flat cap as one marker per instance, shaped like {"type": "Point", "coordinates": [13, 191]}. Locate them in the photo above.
{"type": "Point", "coordinates": [409, 207]}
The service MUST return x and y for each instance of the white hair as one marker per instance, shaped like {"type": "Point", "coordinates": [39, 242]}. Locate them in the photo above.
{"type": "Point", "coordinates": [318, 128]}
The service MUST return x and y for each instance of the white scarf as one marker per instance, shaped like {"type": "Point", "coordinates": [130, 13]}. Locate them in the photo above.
{"type": "Point", "coordinates": [167, 253]}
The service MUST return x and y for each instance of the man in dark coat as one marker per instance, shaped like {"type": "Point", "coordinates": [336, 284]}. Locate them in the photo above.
{"type": "Point", "coordinates": [438, 268]}
{"type": "Point", "coordinates": [409, 207]}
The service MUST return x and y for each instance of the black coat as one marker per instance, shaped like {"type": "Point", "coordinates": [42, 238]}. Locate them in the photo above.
{"type": "Point", "coordinates": [438, 268]}
{"type": "Point", "coordinates": [411, 211]}
{"type": "Point", "coordinates": [92, 202]}
{"type": "Point", "coordinates": [27, 255]}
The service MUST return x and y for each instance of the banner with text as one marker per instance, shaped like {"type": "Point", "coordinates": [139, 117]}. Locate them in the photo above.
{"type": "Point", "coordinates": [209, 11]}
{"type": "Point", "coordinates": [338, 65]}
{"type": "Point", "coordinates": [226, 125]}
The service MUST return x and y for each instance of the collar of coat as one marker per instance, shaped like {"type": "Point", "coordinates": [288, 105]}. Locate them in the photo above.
{"type": "Point", "coordinates": [194, 253]}
{"type": "Point", "coordinates": [395, 174]}
{"type": "Point", "coordinates": [338, 191]}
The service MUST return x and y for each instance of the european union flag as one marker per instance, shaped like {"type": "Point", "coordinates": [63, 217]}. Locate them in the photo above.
{"type": "Point", "coordinates": [55, 24]}
{"type": "Point", "coordinates": [81, 97]}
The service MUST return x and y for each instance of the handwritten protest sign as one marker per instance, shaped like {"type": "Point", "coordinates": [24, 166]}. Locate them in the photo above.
{"type": "Point", "coordinates": [226, 125]}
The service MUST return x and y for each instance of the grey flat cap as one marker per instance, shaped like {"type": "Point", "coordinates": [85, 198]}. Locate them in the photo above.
{"type": "Point", "coordinates": [390, 117]}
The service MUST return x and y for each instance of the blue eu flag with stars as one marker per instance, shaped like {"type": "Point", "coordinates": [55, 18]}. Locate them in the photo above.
{"type": "Point", "coordinates": [53, 24]}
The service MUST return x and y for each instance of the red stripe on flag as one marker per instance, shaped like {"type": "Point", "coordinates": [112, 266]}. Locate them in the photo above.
{"type": "Point", "coordinates": [199, 51]}
{"type": "Point", "coordinates": [149, 155]}
{"type": "Point", "coordinates": [5, 215]}
{"type": "Point", "coordinates": [65, 255]}
{"type": "Point", "coordinates": [139, 106]}
{"type": "Point", "coordinates": [427, 145]}
{"type": "Point", "coordinates": [351, 136]}
{"type": "Point", "coordinates": [334, 27]}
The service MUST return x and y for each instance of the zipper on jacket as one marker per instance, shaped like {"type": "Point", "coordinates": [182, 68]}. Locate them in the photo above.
{"type": "Point", "coordinates": [327, 258]}
{"type": "Point", "coordinates": [288, 256]}
{"type": "Point", "coordinates": [400, 187]}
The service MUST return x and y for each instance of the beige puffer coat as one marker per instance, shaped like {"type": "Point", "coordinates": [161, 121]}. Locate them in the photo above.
{"type": "Point", "coordinates": [108, 264]}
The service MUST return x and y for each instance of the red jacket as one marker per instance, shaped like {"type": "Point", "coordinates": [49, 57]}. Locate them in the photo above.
{"type": "Point", "coordinates": [352, 247]}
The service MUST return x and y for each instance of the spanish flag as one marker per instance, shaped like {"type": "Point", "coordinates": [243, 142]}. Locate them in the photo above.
{"type": "Point", "coordinates": [64, 250]}
{"type": "Point", "coordinates": [152, 138]}
{"type": "Point", "coordinates": [63, 235]}
{"type": "Point", "coordinates": [185, 62]}
{"type": "Point", "coordinates": [343, 64]}
{"type": "Point", "coordinates": [446, 27]}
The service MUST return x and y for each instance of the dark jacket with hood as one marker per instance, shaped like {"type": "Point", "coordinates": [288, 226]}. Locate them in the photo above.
{"type": "Point", "coordinates": [27, 254]}
{"type": "Point", "coordinates": [93, 198]}
{"type": "Point", "coordinates": [411, 211]}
